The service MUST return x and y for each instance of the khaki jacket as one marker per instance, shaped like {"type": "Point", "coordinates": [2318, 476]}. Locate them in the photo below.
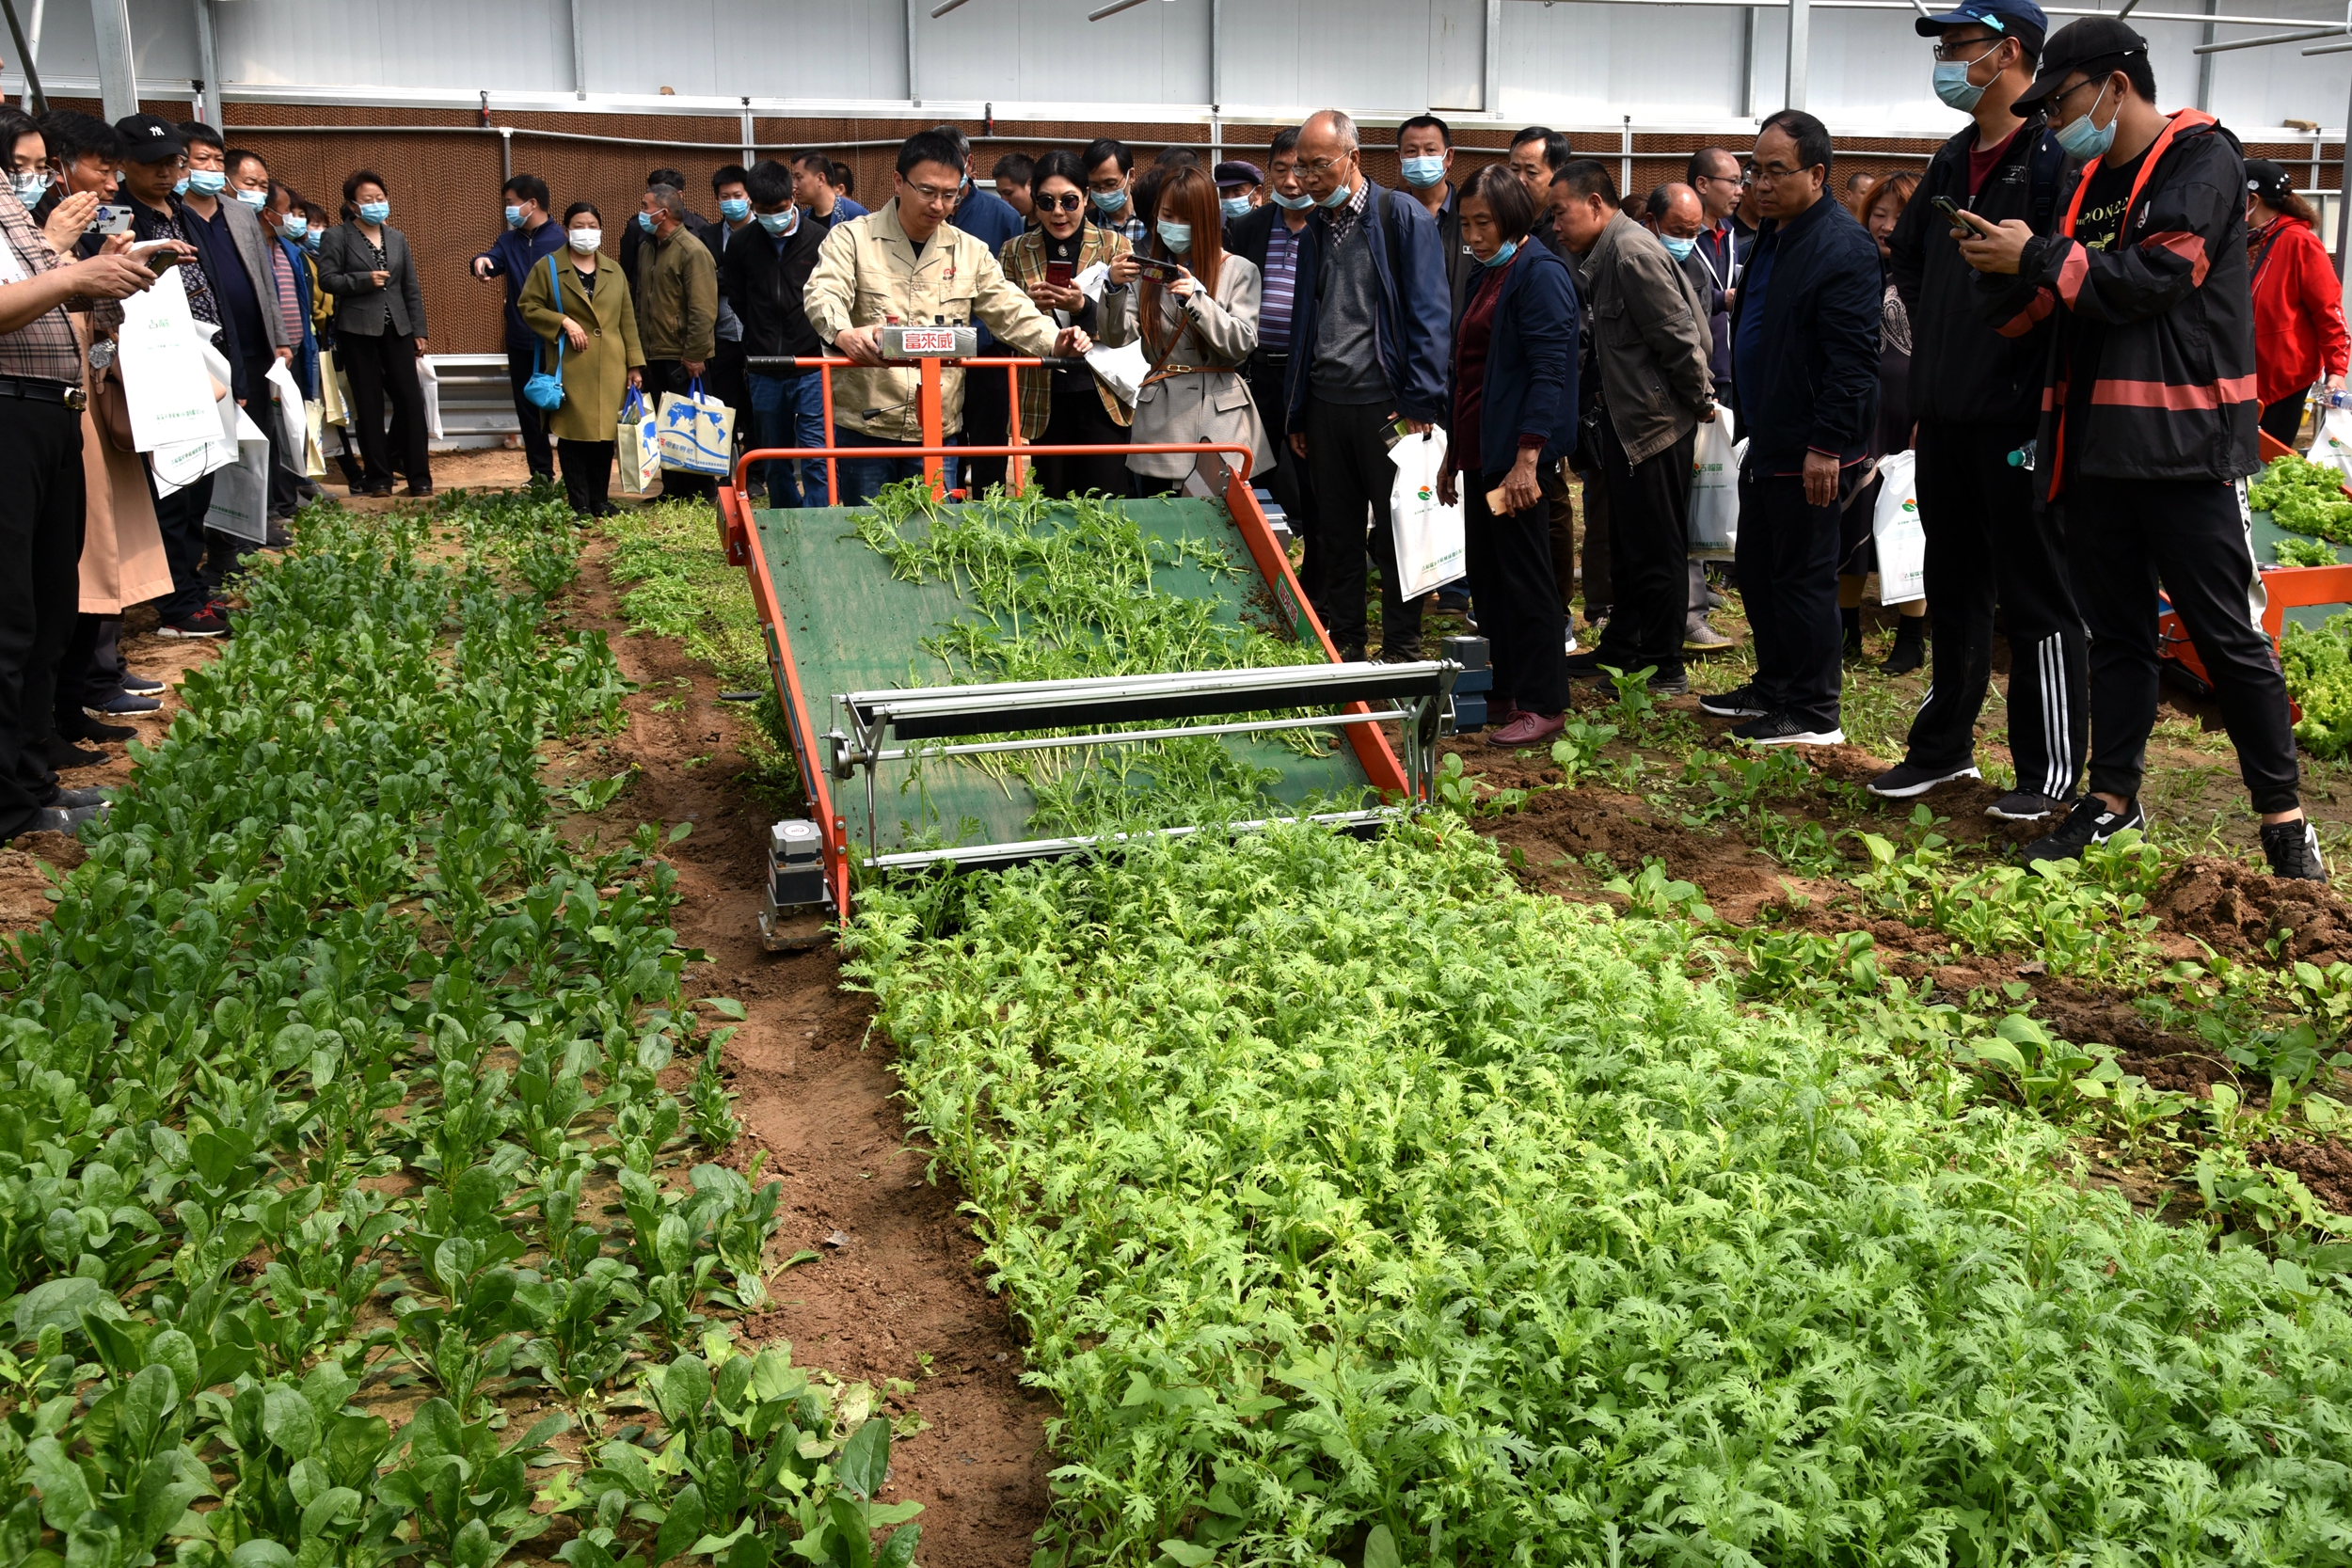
{"type": "Point", "coordinates": [867, 273]}
{"type": "Point", "coordinates": [1651, 336]}
{"type": "Point", "coordinates": [677, 299]}
{"type": "Point", "coordinates": [596, 378]}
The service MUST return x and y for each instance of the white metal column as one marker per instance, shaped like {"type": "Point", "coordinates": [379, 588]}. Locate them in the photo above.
{"type": "Point", "coordinates": [580, 54]}
{"type": "Point", "coordinates": [1800, 46]}
{"type": "Point", "coordinates": [117, 84]}
{"type": "Point", "coordinates": [208, 62]}
{"type": "Point", "coordinates": [1492, 96]}
{"type": "Point", "coordinates": [915, 86]}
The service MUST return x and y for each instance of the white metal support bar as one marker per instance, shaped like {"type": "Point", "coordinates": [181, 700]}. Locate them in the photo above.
{"type": "Point", "coordinates": [579, 54]}
{"type": "Point", "coordinates": [2205, 61]}
{"type": "Point", "coordinates": [506, 152]}
{"type": "Point", "coordinates": [915, 86]}
{"type": "Point", "coordinates": [1747, 63]}
{"type": "Point", "coordinates": [751, 154]}
{"type": "Point", "coordinates": [1490, 97]}
{"type": "Point", "coordinates": [117, 81]}
{"type": "Point", "coordinates": [1800, 51]}
{"type": "Point", "coordinates": [1625, 162]}
{"type": "Point", "coordinates": [208, 62]}
{"type": "Point", "coordinates": [36, 101]}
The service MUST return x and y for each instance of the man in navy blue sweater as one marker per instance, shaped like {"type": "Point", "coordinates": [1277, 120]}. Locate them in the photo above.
{"type": "Point", "coordinates": [1805, 378]}
{"type": "Point", "coordinates": [530, 238]}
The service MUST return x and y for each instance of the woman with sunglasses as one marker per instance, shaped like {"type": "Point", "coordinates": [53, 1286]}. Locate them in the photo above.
{"type": "Point", "coordinates": [1198, 327]}
{"type": "Point", "coordinates": [1071, 407]}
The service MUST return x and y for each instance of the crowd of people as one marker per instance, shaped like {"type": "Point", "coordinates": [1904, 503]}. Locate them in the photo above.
{"type": "Point", "coordinates": [2073, 321]}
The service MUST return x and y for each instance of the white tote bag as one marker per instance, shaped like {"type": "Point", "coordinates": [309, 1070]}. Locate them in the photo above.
{"type": "Point", "coordinates": [164, 376]}
{"type": "Point", "coordinates": [241, 490]}
{"type": "Point", "coordinates": [1429, 544]}
{"type": "Point", "coordinates": [639, 446]}
{"type": "Point", "coordinates": [2332, 443]}
{"type": "Point", "coordinates": [1902, 543]}
{"type": "Point", "coordinates": [1714, 530]}
{"type": "Point", "coordinates": [292, 428]}
{"type": "Point", "coordinates": [697, 431]}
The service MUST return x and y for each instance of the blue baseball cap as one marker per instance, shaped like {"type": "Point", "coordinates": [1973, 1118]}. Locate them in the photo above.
{"type": "Point", "coordinates": [2012, 18]}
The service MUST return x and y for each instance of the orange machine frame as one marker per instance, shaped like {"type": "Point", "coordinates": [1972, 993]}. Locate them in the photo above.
{"type": "Point", "coordinates": [740, 541]}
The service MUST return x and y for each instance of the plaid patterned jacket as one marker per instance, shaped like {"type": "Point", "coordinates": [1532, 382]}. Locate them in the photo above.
{"type": "Point", "coordinates": [44, 347]}
{"type": "Point", "coordinates": [1025, 264]}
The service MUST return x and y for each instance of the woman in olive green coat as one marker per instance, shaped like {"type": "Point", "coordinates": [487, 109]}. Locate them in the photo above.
{"type": "Point", "coordinates": [598, 326]}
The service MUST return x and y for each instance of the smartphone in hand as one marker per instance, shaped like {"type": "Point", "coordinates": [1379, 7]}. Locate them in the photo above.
{"type": "Point", "coordinates": [1059, 274]}
{"type": "Point", "coordinates": [1151, 267]}
{"type": "Point", "coordinates": [110, 220]}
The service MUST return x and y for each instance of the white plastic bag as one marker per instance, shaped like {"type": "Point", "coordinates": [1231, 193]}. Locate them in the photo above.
{"type": "Point", "coordinates": [1714, 530]}
{"type": "Point", "coordinates": [163, 378]}
{"type": "Point", "coordinates": [697, 432]}
{"type": "Point", "coordinates": [1122, 367]}
{"type": "Point", "coordinates": [2331, 443]}
{"type": "Point", "coordinates": [1902, 543]}
{"type": "Point", "coordinates": [1430, 548]}
{"type": "Point", "coordinates": [241, 490]}
{"type": "Point", "coordinates": [639, 446]}
{"type": "Point", "coordinates": [292, 428]}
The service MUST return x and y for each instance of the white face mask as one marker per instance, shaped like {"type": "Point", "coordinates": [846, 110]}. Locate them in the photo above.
{"type": "Point", "coordinates": [582, 241]}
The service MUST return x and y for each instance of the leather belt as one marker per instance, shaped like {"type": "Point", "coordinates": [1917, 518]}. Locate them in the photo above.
{"type": "Point", "coordinates": [39, 390]}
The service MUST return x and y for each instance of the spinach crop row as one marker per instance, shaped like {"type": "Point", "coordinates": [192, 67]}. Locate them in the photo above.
{"type": "Point", "coordinates": [316, 1093]}
{"type": "Point", "coordinates": [1361, 1205]}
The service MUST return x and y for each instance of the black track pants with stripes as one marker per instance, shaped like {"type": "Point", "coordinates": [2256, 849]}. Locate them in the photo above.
{"type": "Point", "coordinates": [2126, 537]}
{"type": "Point", "coordinates": [1986, 546]}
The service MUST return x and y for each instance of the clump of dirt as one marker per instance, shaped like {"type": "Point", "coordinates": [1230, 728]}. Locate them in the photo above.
{"type": "Point", "coordinates": [2238, 911]}
{"type": "Point", "coordinates": [2325, 1168]}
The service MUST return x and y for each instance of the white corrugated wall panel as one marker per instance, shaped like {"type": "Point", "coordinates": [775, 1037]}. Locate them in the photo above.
{"type": "Point", "coordinates": [1369, 57]}
{"type": "Point", "coordinates": [163, 44]}
{"type": "Point", "coordinates": [511, 45]}
{"type": "Point", "coordinates": [1047, 51]}
{"type": "Point", "coordinates": [763, 48]}
{"type": "Point", "coordinates": [1576, 64]}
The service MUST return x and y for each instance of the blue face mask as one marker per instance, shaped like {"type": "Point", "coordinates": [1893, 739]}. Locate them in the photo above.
{"type": "Point", "coordinates": [735, 209]}
{"type": "Point", "coordinates": [255, 199]}
{"type": "Point", "coordinates": [644, 221]}
{"type": "Point", "coordinates": [310, 242]}
{"type": "Point", "coordinates": [1953, 86]}
{"type": "Point", "coordinates": [375, 211]}
{"type": "Point", "coordinates": [1422, 173]}
{"type": "Point", "coordinates": [1108, 201]}
{"type": "Point", "coordinates": [180, 186]}
{"type": "Point", "coordinates": [1176, 236]}
{"type": "Point", "coordinates": [781, 224]}
{"type": "Point", "coordinates": [295, 225]}
{"type": "Point", "coordinates": [207, 182]}
{"type": "Point", "coordinates": [1503, 258]}
{"type": "Point", "coordinates": [2084, 140]}
{"type": "Point", "coordinates": [1338, 197]}
{"type": "Point", "coordinates": [1678, 250]}
{"type": "Point", "coordinates": [1299, 203]}
{"type": "Point", "coordinates": [1235, 206]}
{"type": "Point", "coordinates": [513, 216]}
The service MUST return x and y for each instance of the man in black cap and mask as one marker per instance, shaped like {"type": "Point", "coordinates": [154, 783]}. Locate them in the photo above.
{"type": "Point", "coordinates": [2149, 428]}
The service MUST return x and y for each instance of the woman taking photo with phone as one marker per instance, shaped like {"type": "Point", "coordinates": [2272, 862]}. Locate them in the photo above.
{"type": "Point", "coordinates": [1196, 309]}
{"type": "Point", "coordinates": [1068, 407]}
{"type": "Point", "coordinates": [579, 299]}
{"type": "Point", "coordinates": [379, 330]}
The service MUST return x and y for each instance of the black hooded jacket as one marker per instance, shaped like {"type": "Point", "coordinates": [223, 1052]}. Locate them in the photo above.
{"type": "Point", "coordinates": [2175, 397]}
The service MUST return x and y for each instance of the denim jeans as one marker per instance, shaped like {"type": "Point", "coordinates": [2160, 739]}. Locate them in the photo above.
{"type": "Point", "coordinates": [789, 411]}
{"type": "Point", "coordinates": [862, 476]}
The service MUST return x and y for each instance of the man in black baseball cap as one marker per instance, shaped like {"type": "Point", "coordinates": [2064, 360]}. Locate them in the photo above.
{"type": "Point", "coordinates": [2149, 427]}
{"type": "Point", "coordinates": [150, 139]}
{"type": "Point", "coordinates": [1976, 395]}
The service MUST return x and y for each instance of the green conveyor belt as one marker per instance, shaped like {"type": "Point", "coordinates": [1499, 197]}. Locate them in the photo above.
{"type": "Point", "coordinates": [2266, 535]}
{"type": "Point", "coordinates": [855, 627]}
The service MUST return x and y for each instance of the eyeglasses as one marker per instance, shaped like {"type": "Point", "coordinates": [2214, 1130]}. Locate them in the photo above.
{"type": "Point", "coordinates": [937, 196]}
{"type": "Point", "coordinates": [1950, 49]}
{"type": "Point", "coordinates": [1105, 187]}
{"type": "Point", "coordinates": [1068, 201]}
{"type": "Point", "coordinates": [1773, 174]}
{"type": "Point", "coordinates": [1324, 166]}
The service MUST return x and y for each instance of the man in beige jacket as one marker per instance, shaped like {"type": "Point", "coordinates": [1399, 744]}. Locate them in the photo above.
{"type": "Point", "coordinates": [907, 263]}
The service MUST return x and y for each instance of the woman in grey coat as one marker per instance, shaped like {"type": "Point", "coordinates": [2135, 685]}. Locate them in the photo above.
{"type": "Point", "coordinates": [1198, 331]}
{"type": "Point", "coordinates": [379, 331]}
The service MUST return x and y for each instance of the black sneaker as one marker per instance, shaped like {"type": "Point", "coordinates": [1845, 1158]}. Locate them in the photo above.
{"type": "Point", "coordinates": [2025, 805]}
{"type": "Point", "coordinates": [2090, 822]}
{"type": "Point", "coordinates": [60, 819]}
{"type": "Point", "coordinates": [1741, 701]}
{"type": "Point", "coordinates": [1782, 729]}
{"type": "Point", "coordinates": [1669, 686]}
{"type": "Point", "coordinates": [1907, 779]}
{"type": "Point", "coordinates": [2293, 850]}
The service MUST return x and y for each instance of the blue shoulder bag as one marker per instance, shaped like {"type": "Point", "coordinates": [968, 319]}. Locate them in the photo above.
{"type": "Point", "coordinates": [543, 390]}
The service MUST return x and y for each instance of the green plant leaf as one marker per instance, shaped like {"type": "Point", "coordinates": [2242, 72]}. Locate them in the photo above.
{"type": "Point", "coordinates": [864, 1459]}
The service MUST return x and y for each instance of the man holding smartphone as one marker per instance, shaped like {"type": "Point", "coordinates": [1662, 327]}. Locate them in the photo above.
{"type": "Point", "coordinates": [1976, 391]}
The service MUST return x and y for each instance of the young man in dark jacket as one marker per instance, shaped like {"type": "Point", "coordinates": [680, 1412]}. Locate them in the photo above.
{"type": "Point", "coordinates": [2148, 427]}
{"type": "Point", "coordinates": [1977, 394]}
{"type": "Point", "coordinates": [764, 272]}
{"type": "Point", "coordinates": [1804, 380]}
{"type": "Point", "coordinates": [1370, 336]}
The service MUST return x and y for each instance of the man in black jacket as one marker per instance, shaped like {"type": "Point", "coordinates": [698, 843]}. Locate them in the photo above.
{"type": "Point", "coordinates": [1272, 238]}
{"type": "Point", "coordinates": [632, 235]}
{"type": "Point", "coordinates": [764, 272]}
{"type": "Point", "coordinates": [1805, 379]}
{"type": "Point", "coordinates": [2148, 421]}
{"type": "Point", "coordinates": [1977, 394]}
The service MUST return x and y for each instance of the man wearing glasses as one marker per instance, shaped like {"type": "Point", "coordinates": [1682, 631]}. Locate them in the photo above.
{"type": "Point", "coordinates": [1977, 393]}
{"type": "Point", "coordinates": [1368, 336]}
{"type": "Point", "coordinates": [907, 263]}
{"type": "Point", "coordinates": [2148, 423]}
{"type": "Point", "coordinates": [1805, 350]}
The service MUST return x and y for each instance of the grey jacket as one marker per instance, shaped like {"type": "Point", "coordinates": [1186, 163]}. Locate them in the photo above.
{"type": "Point", "coordinates": [1199, 403]}
{"type": "Point", "coordinates": [1650, 334]}
{"type": "Point", "coordinates": [254, 248]}
{"type": "Point", "coordinates": [345, 263]}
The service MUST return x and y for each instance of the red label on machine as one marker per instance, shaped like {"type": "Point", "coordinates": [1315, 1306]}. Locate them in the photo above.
{"type": "Point", "coordinates": [928, 340]}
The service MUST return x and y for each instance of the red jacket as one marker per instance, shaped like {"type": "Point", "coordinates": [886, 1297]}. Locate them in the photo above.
{"type": "Point", "coordinates": [2299, 310]}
